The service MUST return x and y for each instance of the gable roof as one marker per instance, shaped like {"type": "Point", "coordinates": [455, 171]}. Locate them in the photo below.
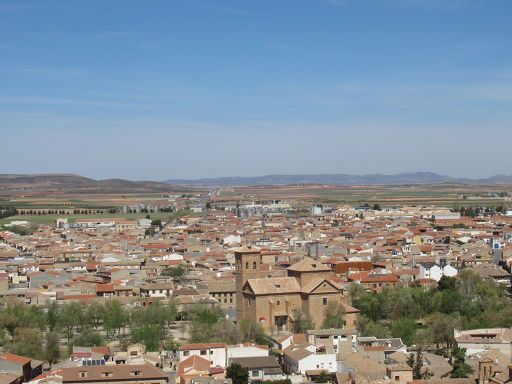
{"type": "Point", "coordinates": [273, 285]}
{"type": "Point", "coordinates": [315, 283]}
{"type": "Point", "coordinates": [309, 265]}
{"type": "Point", "coordinates": [195, 362]}
{"type": "Point", "coordinates": [16, 359]}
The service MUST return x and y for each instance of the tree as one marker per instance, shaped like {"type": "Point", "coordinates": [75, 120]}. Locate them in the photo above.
{"type": "Point", "coordinates": [376, 207]}
{"type": "Point", "coordinates": [405, 329]}
{"type": "Point", "coordinates": [52, 316]}
{"type": "Point", "coordinates": [368, 327]}
{"type": "Point", "coordinates": [87, 338]}
{"type": "Point", "coordinates": [149, 334]}
{"type": "Point", "coordinates": [52, 348]}
{"type": "Point", "coordinates": [95, 313]}
{"type": "Point", "coordinates": [71, 316]}
{"type": "Point", "coordinates": [9, 322]}
{"type": "Point", "coordinates": [174, 271]}
{"type": "Point", "coordinates": [333, 316]}
{"type": "Point", "coordinates": [114, 317]}
{"type": "Point", "coordinates": [302, 322]}
{"type": "Point", "coordinates": [441, 328]}
{"type": "Point", "coordinates": [323, 377]}
{"type": "Point", "coordinates": [447, 282]}
{"type": "Point", "coordinates": [27, 342]}
{"type": "Point", "coordinates": [458, 361]}
{"type": "Point", "coordinates": [250, 331]}
{"type": "Point", "coordinates": [237, 374]}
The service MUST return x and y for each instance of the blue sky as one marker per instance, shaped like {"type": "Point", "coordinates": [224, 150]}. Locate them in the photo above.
{"type": "Point", "coordinates": [205, 88]}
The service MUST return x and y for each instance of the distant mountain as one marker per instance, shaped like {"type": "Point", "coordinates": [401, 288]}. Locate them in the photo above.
{"type": "Point", "coordinates": [341, 179]}
{"type": "Point", "coordinates": [64, 182]}
{"type": "Point", "coordinates": [71, 183]}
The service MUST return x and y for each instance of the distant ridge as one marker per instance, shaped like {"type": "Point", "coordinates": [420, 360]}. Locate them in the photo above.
{"type": "Point", "coordinates": [67, 182]}
{"type": "Point", "coordinates": [71, 183]}
{"type": "Point", "coordinates": [341, 179]}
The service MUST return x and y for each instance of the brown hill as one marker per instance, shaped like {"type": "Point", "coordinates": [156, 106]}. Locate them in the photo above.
{"type": "Point", "coordinates": [70, 183]}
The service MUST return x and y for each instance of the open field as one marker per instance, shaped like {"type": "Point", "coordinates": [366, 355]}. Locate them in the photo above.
{"type": "Point", "coordinates": [104, 205]}
{"type": "Point", "coordinates": [50, 219]}
{"type": "Point", "coordinates": [441, 195]}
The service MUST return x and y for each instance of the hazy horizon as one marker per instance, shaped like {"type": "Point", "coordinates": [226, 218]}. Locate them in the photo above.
{"type": "Point", "coordinates": [204, 89]}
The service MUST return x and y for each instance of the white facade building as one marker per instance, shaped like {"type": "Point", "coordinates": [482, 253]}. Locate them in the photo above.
{"type": "Point", "coordinates": [214, 352]}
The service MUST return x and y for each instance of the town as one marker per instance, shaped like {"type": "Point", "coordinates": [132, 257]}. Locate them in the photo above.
{"type": "Point", "coordinates": [255, 192]}
{"type": "Point", "coordinates": [221, 289]}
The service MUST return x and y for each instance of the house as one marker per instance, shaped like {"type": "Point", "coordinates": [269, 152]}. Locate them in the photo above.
{"type": "Point", "coordinates": [374, 281]}
{"type": "Point", "coordinates": [301, 360]}
{"type": "Point", "coordinates": [399, 373]}
{"type": "Point", "coordinates": [215, 353]}
{"type": "Point", "coordinates": [140, 374]}
{"type": "Point", "coordinates": [480, 340]}
{"type": "Point", "coordinates": [156, 289]}
{"type": "Point", "coordinates": [224, 292]}
{"type": "Point", "coordinates": [246, 350]}
{"type": "Point", "coordinates": [191, 368]}
{"type": "Point", "coordinates": [388, 345]}
{"type": "Point", "coordinates": [332, 337]}
{"type": "Point", "coordinates": [261, 368]}
{"type": "Point", "coordinates": [210, 380]}
{"type": "Point", "coordinates": [23, 367]}
{"type": "Point", "coordinates": [434, 271]}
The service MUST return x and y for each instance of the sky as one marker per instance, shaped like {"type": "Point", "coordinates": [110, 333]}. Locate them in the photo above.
{"type": "Point", "coordinates": [163, 89]}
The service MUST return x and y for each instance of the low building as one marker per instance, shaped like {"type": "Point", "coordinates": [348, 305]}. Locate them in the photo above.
{"type": "Point", "coordinates": [215, 353]}
{"type": "Point", "coordinates": [140, 374]}
{"type": "Point", "coordinates": [261, 368]}
{"type": "Point", "coordinates": [301, 360]}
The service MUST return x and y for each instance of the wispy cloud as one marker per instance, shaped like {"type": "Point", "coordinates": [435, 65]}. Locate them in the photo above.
{"type": "Point", "coordinates": [50, 72]}
{"type": "Point", "coordinates": [152, 45]}
{"type": "Point", "coordinates": [109, 35]}
{"type": "Point", "coordinates": [413, 4]}
{"type": "Point", "coordinates": [28, 100]}
{"type": "Point", "coordinates": [283, 48]}
{"type": "Point", "coordinates": [429, 4]}
{"type": "Point", "coordinates": [232, 11]}
{"type": "Point", "coordinates": [14, 7]}
{"type": "Point", "coordinates": [336, 3]}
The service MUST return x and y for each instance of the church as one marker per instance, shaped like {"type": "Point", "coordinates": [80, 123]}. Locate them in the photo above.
{"type": "Point", "coordinates": [263, 297]}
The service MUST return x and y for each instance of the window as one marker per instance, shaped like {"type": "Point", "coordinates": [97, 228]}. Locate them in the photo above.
{"type": "Point", "coordinates": [254, 373]}
{"type": "Point", "coordinates": [278, 302]}
{"type": "Point", "coordinates": [186, 353]}
{"type": "Point", "coordinates": [211, 352]}
{"type": "Point", "coordinates": [246, 265]}
{"type": "Point", "coordinates": [324, 300]}
{"type": "Point", "coordinates": [203, 352]}
{"type": "Point", "coordinates": [397, 378]}
{"type": "Point", "coordinates": [82, 374]}
{"type": "Point", "coordinates": [135, 373]}
{"type": "Point", "coordinates": [254, 265]}
{"type": "Point", "coordinates": [106, 374]}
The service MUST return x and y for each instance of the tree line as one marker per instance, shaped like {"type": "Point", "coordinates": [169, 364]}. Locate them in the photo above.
{"type": "Point", "coordinates": [427, 317]}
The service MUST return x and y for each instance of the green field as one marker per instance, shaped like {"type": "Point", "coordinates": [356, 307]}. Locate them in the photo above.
{"type": "Point", "coordinates": [50, 219]}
